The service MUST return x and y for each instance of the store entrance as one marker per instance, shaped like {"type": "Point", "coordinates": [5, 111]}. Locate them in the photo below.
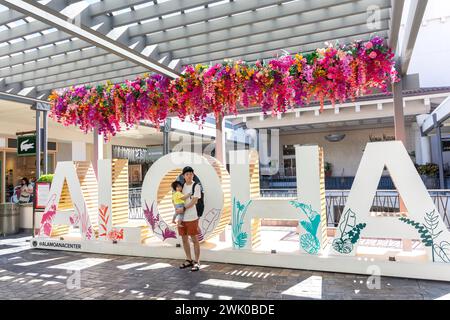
{"type": "Point", "coordinates": [18, 167]}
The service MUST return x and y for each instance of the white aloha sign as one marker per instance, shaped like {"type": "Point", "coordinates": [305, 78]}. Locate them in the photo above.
{"type": "Point", "coordinates": [235, 198]}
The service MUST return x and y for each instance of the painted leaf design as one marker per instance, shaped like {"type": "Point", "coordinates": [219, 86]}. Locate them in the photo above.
{"type": "Point", "coordinates": [348, 222]}
{"type": "Point", "coordinates": [209, 220]}
{"type": "Point", "coordinates": [169, 234]}
{"type": "Point", "coordinates": [432, 220]}
{"type": "Point", "coordinates": [344, 246]}
{"type": "Point", "coordinates": [443, 251]}
{"type": "Point", "coordinates": [239, 211]}
{"type": "Point", "coordinates": [74, 219]}
{"type": "Point", "coordinates": [86, 228]}
{"type": "Point", "coordinates": [307, 226]}
{"type": "Point", "coordinates": [309, 243]}
{"type": "Point", "coordinates": [241, 240]}
{"type": "Point", "coordinates": [150, 217]}
{"type": "Point", "coordinates": [165, 231]}
{"type": "Point", "coordinates": [355, 233]}
{"type": "Point", "coordinates": [115, 234]}
{"type": "Point", "coordinates": [104, 217]}
{"type": "Point", "coordinates": [315, 224]}
{"type": "Point", "coordinates": [47, 217]}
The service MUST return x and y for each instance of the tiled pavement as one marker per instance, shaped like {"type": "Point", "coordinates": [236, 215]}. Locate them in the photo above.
{"type": "Point", "coordinates": [43, 274]}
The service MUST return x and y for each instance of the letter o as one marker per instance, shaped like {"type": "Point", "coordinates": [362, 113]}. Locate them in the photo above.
{"type": "Point", "coordinates": [157, 194]}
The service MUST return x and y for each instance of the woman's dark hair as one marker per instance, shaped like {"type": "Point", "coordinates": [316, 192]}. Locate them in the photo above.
{"type": "Point", "coordinates": [27, 182]}
{"type": "Point", "coordinates": [175, 184]}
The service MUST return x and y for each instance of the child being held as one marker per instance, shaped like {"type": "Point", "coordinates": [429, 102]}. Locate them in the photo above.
{"type": "Point", "coordinates": [178, 200]}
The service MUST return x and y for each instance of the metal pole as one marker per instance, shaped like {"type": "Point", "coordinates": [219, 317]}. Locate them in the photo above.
{"type": "Point", "coordinates": [439, 147]}
{"type": "Point", "coordinates": [38, 167]}
{"type": "Point", "coordinates": [38, 144]}
{"type": "Point", "coordinates": [399, 118]}
{"type": "Point", "coordinates": [45, 142]}
{"type": "Point", "coordinates": [166, 130]}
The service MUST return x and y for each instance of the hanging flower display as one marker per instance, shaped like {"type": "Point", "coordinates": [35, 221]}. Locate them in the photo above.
{"type": "Point", "coordinates": [335, 74]}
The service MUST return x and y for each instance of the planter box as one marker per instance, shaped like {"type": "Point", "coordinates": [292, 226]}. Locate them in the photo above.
{"type": "Point", "coordinates": [26, 216]}
{"type": "Point", "coordinates": [430, 182]}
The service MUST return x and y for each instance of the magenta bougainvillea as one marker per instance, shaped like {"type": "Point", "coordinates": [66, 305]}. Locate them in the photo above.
{"type": "Point", "coordinates": [335, 74]}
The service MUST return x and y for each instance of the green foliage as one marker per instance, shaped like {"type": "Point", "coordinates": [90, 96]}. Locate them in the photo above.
{"type": "Point", "coordinates": [327, 167]}
{"type": "Point", "coordinates": [425, 235]}
{"type": "Point", "coordinates": [350, 233]}
{"type": "Point", "coordinates": [311, 57]}
{"type": "Point", "coordinates": [354, 233]}
{"type": "Point", "coordinates": [429, 169]}
{"type": "Point", "coordinates": [342, 246]}
{"type": "Point", "coordinates": [46, 178]}
{"type": "Point", "coordinates": [428, 235]}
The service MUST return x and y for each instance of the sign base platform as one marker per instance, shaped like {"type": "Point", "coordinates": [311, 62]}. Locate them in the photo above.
{"type": "Point", "coordinates": [416, 267]}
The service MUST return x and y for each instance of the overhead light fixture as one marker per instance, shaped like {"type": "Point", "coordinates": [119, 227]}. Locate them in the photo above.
{"type": "Point", "coordinates": [335, 137]}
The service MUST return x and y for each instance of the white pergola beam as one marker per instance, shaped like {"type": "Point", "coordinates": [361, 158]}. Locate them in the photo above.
{"type": "Point", "coordinates": [9, 16]}
{"type": "Point", "coordinates": [59, 21]}
{"type": "Point", "coordinates": [287, 15]}
{"type": "Point", "coordinates": [253, 54]}
{"type": "Point", "coordinates": [99, 77]}
{"type": "Point", "coordinates": [209, 13]}
{"type": "Point", "coordinates": [94, 15]}
{"type": "Point", "coordinates": [67, 62]}
{"type": "Point", "coordinates": [298, 24]}
{"type": "Point", "coordinates": [158, 10]}
{"type": "Point", "coordinates": [49, 52]}
{"type": "Point", "coordinates": [396, 20]}
{"type": "Point", "coordinates": [102, 7]}
{"type": "Point", "coordinates": [93, 71]}
{"type": "Point", "coordinates": [279, 39]}
{"type": "Point", "coordinates": [413, 23]}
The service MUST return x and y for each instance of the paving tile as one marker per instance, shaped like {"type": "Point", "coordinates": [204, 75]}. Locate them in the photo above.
{"type": "Point", "coordinates": [107, 281]}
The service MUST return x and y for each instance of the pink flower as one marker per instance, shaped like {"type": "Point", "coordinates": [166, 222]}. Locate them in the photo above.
{"type": "Point", "coordinates": [368, 45]}
{"type": "Point", "coordinates": [373, 55]}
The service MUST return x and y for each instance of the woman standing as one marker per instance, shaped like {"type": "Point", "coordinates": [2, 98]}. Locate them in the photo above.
{"type": "Point", "coordinates": [26, 191]}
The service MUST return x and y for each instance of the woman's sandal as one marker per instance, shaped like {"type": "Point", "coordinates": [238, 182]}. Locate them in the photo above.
{"type": "Point", "coordinates": [187, 264]}
{"type": "Point", "coordinates": [195, 267]}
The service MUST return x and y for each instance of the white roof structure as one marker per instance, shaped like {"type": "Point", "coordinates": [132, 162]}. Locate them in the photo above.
{"type": "Point", "coordinates": [52, 44]}
{"type": "Point", "coordinates": [438, 117]}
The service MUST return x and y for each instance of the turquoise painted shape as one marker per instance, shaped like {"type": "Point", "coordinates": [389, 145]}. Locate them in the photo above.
{"type": "Point", "coordinates": [239, 211]}
{"type": "Point", "coordinates": [309, 240]}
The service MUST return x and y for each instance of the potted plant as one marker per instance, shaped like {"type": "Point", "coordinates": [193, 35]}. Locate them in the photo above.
{"type": "Point", "coordinates": [46, 178]}
{"type": "Point", "coordinates": [328, 168]}
{"type": "Point", "coordinates": [428, 172]}
{"type": "Point", "coordinates": [42, 188]}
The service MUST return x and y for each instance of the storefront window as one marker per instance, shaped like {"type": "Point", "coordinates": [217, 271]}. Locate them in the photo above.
{"type": "Point", "coordinates": [288, 150]}
{"type": "Point", "coordinates": [139, 161]}
{"type": "Point", "coordinates": [17, 167]}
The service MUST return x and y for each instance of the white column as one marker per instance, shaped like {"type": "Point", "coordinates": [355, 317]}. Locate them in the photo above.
{"type": "Point", "coordinates": [78, 151]}
{"type": "Point", "coordinates": [220, 140]}
{"type": "Point", "coordinates": [423, 146]}
{"type": "Point", "coordinates": [98, 149]}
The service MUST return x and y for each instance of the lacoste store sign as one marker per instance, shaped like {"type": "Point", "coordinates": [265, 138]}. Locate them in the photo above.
{"type": "Point", "coordinates": [26, 145]}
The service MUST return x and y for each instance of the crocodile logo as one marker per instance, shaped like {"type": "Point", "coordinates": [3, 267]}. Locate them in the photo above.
{"type": "Point", "coordinates": [25, 146]}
